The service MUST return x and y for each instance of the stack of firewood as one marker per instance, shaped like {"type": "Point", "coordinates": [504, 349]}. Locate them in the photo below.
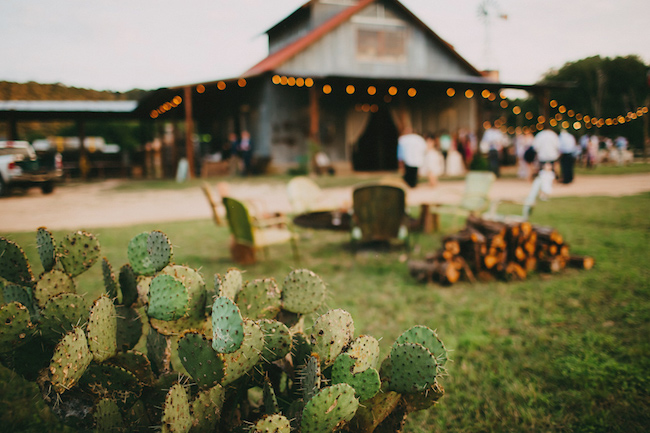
{"type": "Point", "coordinates": [489, 250]}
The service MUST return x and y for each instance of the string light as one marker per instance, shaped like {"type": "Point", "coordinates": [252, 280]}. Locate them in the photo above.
{"type": "Point", "coordinates": [451, 92]}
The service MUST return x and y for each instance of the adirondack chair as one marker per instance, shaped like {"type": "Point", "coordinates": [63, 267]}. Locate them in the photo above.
{"type": "Point", "coordinates": [475, 199]}
{"type": "Point", "coordinates": [527, 205]}
{"type": "Point", "coordinates": [304, 195]}
{"type": "Point", "coordinates": [214, 204]}
{"type": "Point", "coordinates": [251, 234]}
{"type": "Point", "coordinates": [379, 215]}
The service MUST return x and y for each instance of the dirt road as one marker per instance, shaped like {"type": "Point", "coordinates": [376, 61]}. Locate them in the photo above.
{"type": "Point", "coordinates": [101, 205]}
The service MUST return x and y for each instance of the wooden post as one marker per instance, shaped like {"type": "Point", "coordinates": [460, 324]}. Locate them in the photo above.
{"type": "Point", "coordinates": [84, 164]}
{"type": "Point", "coordinates": [189, 130]}
{"type": "Point", "coordinates": [314, 127]}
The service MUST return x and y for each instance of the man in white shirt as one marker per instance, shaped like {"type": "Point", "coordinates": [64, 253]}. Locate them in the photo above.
{"type": "Point", "coordinates": [546, 144]}
{"type": "Point", "coordinates": [411, 148]}
{"type": "Point", "coordinates": [567, 148]}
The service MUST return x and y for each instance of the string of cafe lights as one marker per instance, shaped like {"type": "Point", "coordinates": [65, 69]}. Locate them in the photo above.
{"type": "Point", "coordinates": [564, 117]}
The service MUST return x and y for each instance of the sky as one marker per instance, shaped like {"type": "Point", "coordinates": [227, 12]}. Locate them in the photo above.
{"type": "Point", "coordinates": [120, 45]}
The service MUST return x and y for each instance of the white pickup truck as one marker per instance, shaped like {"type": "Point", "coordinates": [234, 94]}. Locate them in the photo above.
{"type": "Point", "coordinates": [20, 167]}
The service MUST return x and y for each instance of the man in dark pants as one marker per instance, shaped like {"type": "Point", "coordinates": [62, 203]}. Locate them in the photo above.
{"type": "Point", "coordinates": [410, 155]}
{"type": "Point", "coordinates": [567, 149]}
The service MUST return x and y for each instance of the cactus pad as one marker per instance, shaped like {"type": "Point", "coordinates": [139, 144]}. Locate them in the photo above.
{"type": "Point", "coordinates": [107, 416]}
{"type": "Point", "coordinates": [275, 423]}
{"type": "Point", "coordinates": [158, 351]}
{"type": "Point", "coordinates": [112, 381]}
{"type": "Point", "coordinates": [331, 333]}
{"type": "Point", "coordinates": [70, 360]}
{"type": "Point", "coordinates": [330, 409]}
{"type": "Point", "coordinates": [195, 286]}
{"type": "Point", "coordinates": [149, 252]}
{"type": "Point", "coordinates": [135, 363]}
{"type": "Point", "coordinates": [102, 329]}
{"type": "Point", "coordinates": [365, 351]}
{"type": "Point", "coordinates": [61, 313]}
{"type": "Point", "coordinates": [110, 284]}
{"type": "Point", "coordinates": [310, 378]}
{"type": "Point", "coordinates": [365, 383]}
{"type": "Point", "coordinates": [128, 285]}
{"type": "Point", "coordinates": [199, 359]}
{"type": "Point", "coordinates": [15, 326]}
{"type": "Point", "coordinates": [414, 368]}
{"type": "Point", "coordinates": [269, 398]}
{"type": "Point", "coordinates": [277, 340]}
{"type": "Point", "coordinates": [303, 292]}
{"type": "Point", "coordinates": [300, 349]}
{"type": "Point", "coordinates": [426, 337]}
{"type": "Point", "coordinates": [78, 251]}
{"type": "Point", "coordinates": [168, 298]}
{"type": "Point", "coordinates": [46, 248]}
{"type": "Point", "coordinates": [259, 299]}
{"type": "Point", "coordinates": [247, 356]}
{"type": "Point", "coordinates": [206, 409]}
{"type": "Point", "coordinates": [16, 293]}
{"type": "Point", "coordinates": [176, 412]}
{"type": "Point", "coordinates": [230, 284]}
{"type": "Point", "coordinates": [51, 284]}
{"type": "Point", "coordinates": [129, 327]}
{"type": "Point", "coordinates": [227, 325]}
{"type": "Point", "coordinates": [14, 266]}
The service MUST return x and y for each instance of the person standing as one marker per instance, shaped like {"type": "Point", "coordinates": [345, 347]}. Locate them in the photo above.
{"type": "Point", "coordinates": [492, 144]}
{"type": "Point", "coordinates": [546, 144]}
{"type": "Point", "coordinates": [245, 152]}
{"type": "Point", "coordinates": [411, 148]}
{"type": "Point", "coordinates": [567, 148]}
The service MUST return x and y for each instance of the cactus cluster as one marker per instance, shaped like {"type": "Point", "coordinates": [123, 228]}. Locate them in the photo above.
{"type": "Point", "coordinates": [253, 356]}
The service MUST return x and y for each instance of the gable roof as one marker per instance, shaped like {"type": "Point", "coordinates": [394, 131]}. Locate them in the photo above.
{"type": "Point", "coordinates": [292, 49]}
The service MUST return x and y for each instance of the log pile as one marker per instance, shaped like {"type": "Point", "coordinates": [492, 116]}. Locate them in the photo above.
{"type": "Point", "coordinates": [488, 250]}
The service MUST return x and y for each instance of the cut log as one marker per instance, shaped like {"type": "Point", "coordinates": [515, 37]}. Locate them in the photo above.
{"type": "Point", "coordinates": [551, 265]}
{"type": "Point", "coordinates": [581, 262]}
{"type": "Point", "coordinates": [514, 271]}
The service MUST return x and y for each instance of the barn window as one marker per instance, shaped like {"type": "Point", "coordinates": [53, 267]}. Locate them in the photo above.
{"type": "Point", "coordinates": [387, 44]}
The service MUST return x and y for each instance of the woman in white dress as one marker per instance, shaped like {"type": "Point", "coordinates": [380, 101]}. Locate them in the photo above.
{"type": "Point", "coordinates": [454, 164]}
{"type": "Point", "coordinates": [434, 163]}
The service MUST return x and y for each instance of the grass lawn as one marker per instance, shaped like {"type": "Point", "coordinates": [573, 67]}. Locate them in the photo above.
{"type": "Point", "coordinates": [567, 352]}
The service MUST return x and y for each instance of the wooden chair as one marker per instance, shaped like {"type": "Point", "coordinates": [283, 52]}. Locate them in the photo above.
{"type": "Point", "coordinates": [304, 195]}
{"type": "Point", "coordinates": [250, 234]}
{"type": "Point", "coordinates": [379, 215]}
{"type": "Point", "coordinates": [214, 204]}
{"type": "Point", "coordinates": [475, 199]}
{"type": "Point", "coordinates": [527, 206]}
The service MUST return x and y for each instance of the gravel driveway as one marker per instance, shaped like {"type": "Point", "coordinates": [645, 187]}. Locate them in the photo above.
{"type": "Point", "coordinates": [87, 206]}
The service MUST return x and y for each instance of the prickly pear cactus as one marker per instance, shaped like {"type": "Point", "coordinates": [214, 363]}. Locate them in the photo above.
{"type": "Point", "coordinates": [230, 284]}
{"type": "Point", "coordinates": [414, 368]}
{"type": "Point", "coordinates": [128, 285]}
{"type": "Point", "coordinates": [206, 409]}
{"type": "Point", "coordinates": [365, 351]}
{"type": "Point", "coordinates": [51, 284]}
{"type": "Point", "coordinates": [61, 314]}
{"type": "Point", "coordinates": [259, 299]}
{"type": "Point", "coordinates": [176, 412]}
{"type": "Point", "coordinates": [194, 285]}
{"type": "Point", "coordinates": [46, 248]}
{"type": "Point", "coordinates": [70, 360]}
{"type": "Point", "coordinates": [330, 409]}
{"type": "Point", "coordinates": [275, 423]}
{"type": "Point", "coordinates": [149, 252]}
{"type": "Point", "coordinates": [277, 340]}
{"type": "Point", "coordinates": [102, 330]}
{"type": "Point", "coordinates": [110, 284]}
{"type": "Point", "coordinates": [227, 326]}
{"type": "Point", "coordinates": [16, 328]}
{"type": "Point", "coordinates": [310, 378]}
{"type": "Point", "coordinates": [14, 266]}
{"type": "Point", "coordinates": [332, 332]}
{"type": "Point", "coordinates": [22, 295]}
{"type": "Point", "coordinates": [107, 416]}
{"type": "Point", "coordinates": [199, 359]}
{"type": "Point", "coordinates": [303, 292]}
{"type": "Point", "coordinates": [78, 251]}
{"type": "Point", "coordinates": [428, 338]}
{"type": "Point", "coordinates": [168, 298]}
{"type": "Point", "coordinates": [366, 383]}
{"type": "Point", "coordinates": [247, 356]}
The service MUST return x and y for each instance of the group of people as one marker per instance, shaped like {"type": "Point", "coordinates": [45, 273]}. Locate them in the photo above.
{"type": "Point", "coordinates": [238, 151]}
{"type": "Point", "coordinates": [433, 155]}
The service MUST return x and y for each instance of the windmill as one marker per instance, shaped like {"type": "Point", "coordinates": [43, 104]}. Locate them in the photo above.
{"type": "Point", "coordinates": [488, 10]}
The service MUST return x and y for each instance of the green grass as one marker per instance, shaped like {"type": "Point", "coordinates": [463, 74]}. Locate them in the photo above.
{"type": "Point", "coordinates": [567, 352]}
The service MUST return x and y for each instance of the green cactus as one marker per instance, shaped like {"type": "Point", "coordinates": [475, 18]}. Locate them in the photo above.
{"type": "Point", "coordinates": [102, 329]}
{"type": "Point", "coordinates": [168, 298]}
{"type": "Point", "coordinates": [301, 349]}
{"type": "Point", "coordinates": [199, 359]}
{"type": "Point", "coordinates": [230, 285]}
{"type": "Point", "coordinates": [14, 266]}
{"type": "Point", "coordinates": [61, 313]}
{"type": "Point", "coordinates": [195, 286]}
{"type": "Point", "coordinates": [206, 409]}
{"type": "Point", "coordinates": [259, 299]}
{"type": "Point", "coordinates": [365, 351]}
{"type": "Point", "coordinates": [105, 380]}
{"type": "Point", "coordinates": [176, 412]}
{"type": "Point", "coordinates": [16, 293]}
{"type": "Point", "coordinates": [149, 252]}
{"type": "Point", "coordinates": [16, 326]}
{"type": "Point", "coordinates": [428, 338]}
{"type": "Point", "coordinates": [275, 423]}
{"type": "Point", "coordinates": [277, 340]}
{"type": "Point", "coordinates": [107, 416]}
{"type": "Point", "coordinates": [247, 356]}
{"type": "Point", "coordinates": [70, 360]}
{"type": "Point", "coordinates": [135, 363]}
{"type": "Point", "coordinates": [159, 249]}
{"type": "Point", "coordinates": [330, 409]}
{"type": "Point", "coordinates": [366, 383]}
{"type": "Point", "coordinates": [46, 248]}
{"type": "Point", "coordinates": [52, 283]}
{"type": "Point", "coordinates": [331, 333]}
{"type": "Point", "coordinates": [269, 398]}
{"type": "Point", "coordinates": [78, 252]}
{"type": "Point", "coordinates": [310, 378]}
{"type": "Point", "coordinates": [227, 326]}
{"type": "Point", "coordinates": [129, 327]}
{"type": "Point", "coordinates": [158, 351]}
{"type": "Point", "coordinates": [414, 368]}
{"type": "Point", "coordinates": [373, 412]}
{"type": "Point", "coordinates": [110, 284]}
{"type": "Point", "coordinates": [303, 292]}
{"type": "Point", "coordinates": [128, 285]}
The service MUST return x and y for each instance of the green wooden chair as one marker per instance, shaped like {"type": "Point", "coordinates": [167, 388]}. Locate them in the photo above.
{"type": "Point", "coordinates": [379, 215]}
{"type": "Point", "coordinates": [251, 234]}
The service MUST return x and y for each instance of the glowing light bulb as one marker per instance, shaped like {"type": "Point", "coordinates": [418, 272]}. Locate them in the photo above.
{"type": "Point", "coordinates": [327, 89]}
{"type": "Point", "coordinates": [412, 92]}
{"type": "Point", "coordinates": [451, 92]}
